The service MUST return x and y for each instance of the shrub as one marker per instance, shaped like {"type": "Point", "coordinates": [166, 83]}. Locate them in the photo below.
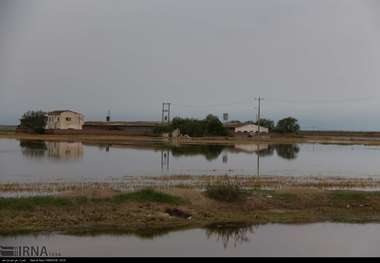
{"type": "Point", "coordinates": [148, 195]}
{"type": "Point", "coordinates": [288, 124]}
{"type": "Point", "coordinates": [34, 120]}
{"type": "Point", "coordinates": [210, 126]}
{"type": "Point", "coordinates": [226, 191]}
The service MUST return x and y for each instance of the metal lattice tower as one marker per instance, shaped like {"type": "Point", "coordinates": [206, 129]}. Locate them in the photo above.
{"type": "Point", "coordinates": [165, 118]}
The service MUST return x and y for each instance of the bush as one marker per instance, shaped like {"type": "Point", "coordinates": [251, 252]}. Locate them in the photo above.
{"type": "Point", "coordinates": [210, 126]}
{"type": "Point", "coordinates": [226, 191]}
{"type": "Point", "coordinates": [148, 195]}
{"type": "Point", "coordinates": [34, 120]}
{"type": "Point", "coordinates": [266, 123]}
{"type": "Point", "coordinates": [287, 125]}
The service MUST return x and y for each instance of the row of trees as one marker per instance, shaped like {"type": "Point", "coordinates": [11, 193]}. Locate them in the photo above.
{"type": "Point", "coordinates": [209, 126]}
{"type": "Point", "coordinates": [285, 125]}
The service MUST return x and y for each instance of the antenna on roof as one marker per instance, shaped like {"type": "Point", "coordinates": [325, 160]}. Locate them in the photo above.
{"type": "Point", "coordinates": [108, 118]}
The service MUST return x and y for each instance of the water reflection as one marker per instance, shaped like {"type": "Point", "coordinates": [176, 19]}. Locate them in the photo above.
{"type": "Point", "coordinates": [210, 152]}
{"type": "Point", "coordinates": [74, 151]}
{"type": "Point", "coordinates": [33, 149]}
{"type": "Point", "coordinates": [53, 150]}
{"type": "Point", "coordinates": [271, 240]}
{"type": "Point", "coordinates": [65, 150]}
{"type": "Point", "coordinates": [233, 233]}
{"type": "Point", "coordinates": [287, 151]}
{"type": "Point", "coordinates": [251, 148]}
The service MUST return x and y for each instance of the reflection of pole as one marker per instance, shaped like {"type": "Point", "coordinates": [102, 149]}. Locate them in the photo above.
{"type": "Point", "coordinates": [225, 158]}
{"type": "Point", "coordinates": [164, 160]}
{"type": "Point", "coordinates": [258, 160]}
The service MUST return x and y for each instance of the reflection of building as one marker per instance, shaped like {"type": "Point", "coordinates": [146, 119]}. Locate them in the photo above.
{"type": "Point", "coordinates": [65, 150]}
{"type": "Point", "coordinates": [65, 119]}
{"type": "Point", "coordinates": [251, 148]}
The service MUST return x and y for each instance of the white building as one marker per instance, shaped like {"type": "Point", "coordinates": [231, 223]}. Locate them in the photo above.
{"type": "Point", "coordinates": [65, 119]}
{"type": "Point", "coordinates": [250, 128]}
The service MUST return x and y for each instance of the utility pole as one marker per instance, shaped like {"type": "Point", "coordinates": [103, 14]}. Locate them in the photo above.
{"type": "Point", "coordinates": [108, 118]}
{"type": "Point", "coordinates": [165, 117]}
{"type": "Point", "coordinates": [259, 99]}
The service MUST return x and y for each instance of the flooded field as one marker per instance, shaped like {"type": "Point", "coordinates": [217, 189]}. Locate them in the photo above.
{"type": "Point", "coordinates": [43, 161]}
{"type": "Point", "coordinates": [320, 239]}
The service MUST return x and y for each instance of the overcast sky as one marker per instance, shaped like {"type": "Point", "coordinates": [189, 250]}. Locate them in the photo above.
{"type": "Point", "coordinates": [318, 61]}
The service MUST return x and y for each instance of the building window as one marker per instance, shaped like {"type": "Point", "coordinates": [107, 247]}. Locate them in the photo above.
{"type": "Point", "coordinates": [68, 119]}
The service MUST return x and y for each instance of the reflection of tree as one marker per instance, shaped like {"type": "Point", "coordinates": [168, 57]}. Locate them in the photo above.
{"type": "Point", "coordinates": [268, 151]}
{"type": "Point", "coordinates": [234, 233]}
{"type": "Point", "coordinates": [211, 152]}
{"type": "Point", "coordinates": [287, 151]}
{"type": "Point", "coordinates": [33, 148]}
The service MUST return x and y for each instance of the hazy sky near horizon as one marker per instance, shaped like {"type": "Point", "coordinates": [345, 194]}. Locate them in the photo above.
{"type": "Point", "coordinates": [318, 61]}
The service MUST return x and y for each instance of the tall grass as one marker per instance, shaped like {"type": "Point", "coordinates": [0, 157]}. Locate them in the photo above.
{"type": "Point", "coordinates": [226, 191]}
{"type": "Point", "coordinates": [145, 195]}
{"type": "Point", "coordinates": [148, 195]}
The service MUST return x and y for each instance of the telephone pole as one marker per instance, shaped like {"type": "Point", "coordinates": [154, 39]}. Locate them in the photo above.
{"type": "Point", "coordinates": [165, 117]}
{"type": "Point", "coordinates": [108, 118]}
{"type": "Point", "coordinates": [259, 99]}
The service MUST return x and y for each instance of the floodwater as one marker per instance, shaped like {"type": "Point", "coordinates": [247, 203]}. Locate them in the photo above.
{"type": "Point", "coordinates": [43, 161]}
{"type": "Point", "coordinates": [320, 239]}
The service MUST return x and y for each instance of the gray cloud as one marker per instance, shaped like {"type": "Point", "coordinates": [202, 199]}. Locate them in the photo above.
{"type": "Point", "coordinates": [309, 59]}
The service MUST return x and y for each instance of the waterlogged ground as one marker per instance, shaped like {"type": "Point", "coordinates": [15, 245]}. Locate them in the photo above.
{"type": "Point", "coordinates": [299, 173]}
{"type": "Point", "coordinates": [25, 161]}
{"type": "Point", "coordinates": [319, 239]}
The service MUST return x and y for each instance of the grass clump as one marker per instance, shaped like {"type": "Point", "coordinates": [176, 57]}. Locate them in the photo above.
{"type": "Point", "coordinates": [148, 195]}
{"type": "Point", "coordinates": [226, 191]}
{"type": "Point", "coordinates": [30, 202]}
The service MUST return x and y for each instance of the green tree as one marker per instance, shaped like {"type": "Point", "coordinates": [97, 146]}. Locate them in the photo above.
{"type": "Point", "coordinates": [210, 126]}
{"type": "Point", "coordinates": [288, 124]}
{"type": "Point", "coordinates": [266, 123]}
{"type": "Point", "coordinates": [214, 126]}
{"type": "Point", "coordinates": [34, 120]}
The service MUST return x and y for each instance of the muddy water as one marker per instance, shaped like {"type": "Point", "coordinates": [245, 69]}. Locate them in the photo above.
{"type": "Point", "coordinates": [40, 161]}
{"type": "Point", "coordinates": [321, 239]}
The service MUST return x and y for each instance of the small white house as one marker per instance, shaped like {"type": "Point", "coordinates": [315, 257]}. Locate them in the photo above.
{"type": "Point", "coordinates": [250, 128]}
{"type": "Point", "coordinates": [64, 119]}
